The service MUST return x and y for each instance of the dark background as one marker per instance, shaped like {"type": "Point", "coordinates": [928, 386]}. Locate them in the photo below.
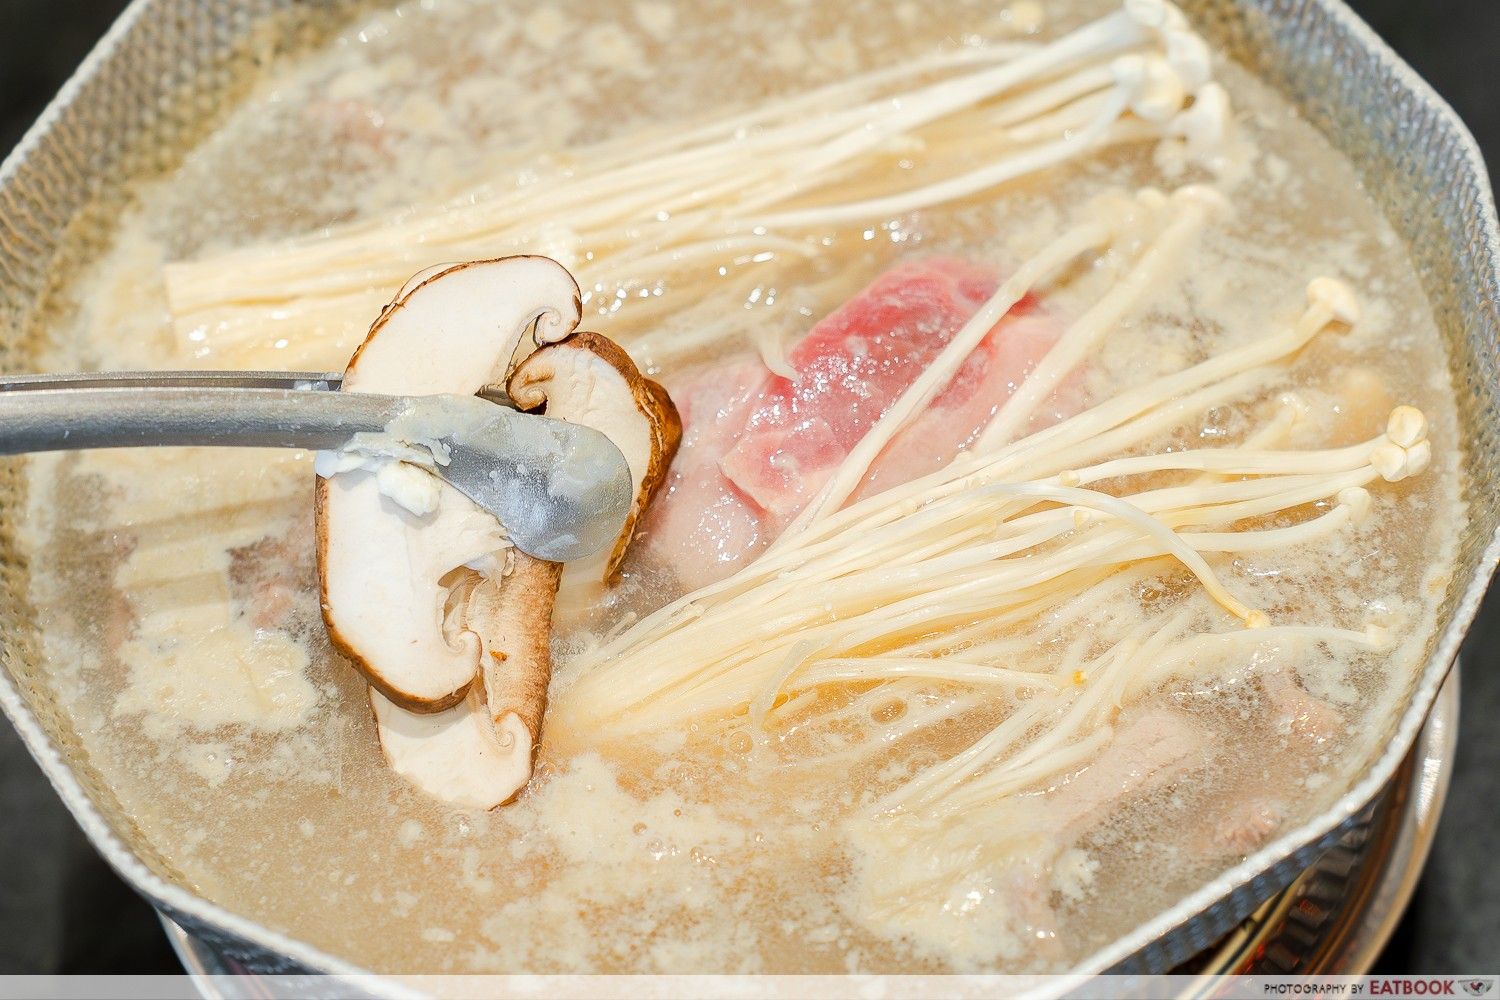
{"type": "Point", "coordinates": [63, 910]}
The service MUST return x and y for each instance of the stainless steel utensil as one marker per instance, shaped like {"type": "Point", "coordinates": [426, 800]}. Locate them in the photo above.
{"type": "Point", "coordinates": [561, 490]}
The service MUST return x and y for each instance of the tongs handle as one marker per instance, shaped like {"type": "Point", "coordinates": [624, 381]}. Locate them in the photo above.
{"type": "Point", "coordinates": [562, 490]}
{"type": "Point", "coordinates": [132, 409]}
{"type": "Point", "coordinates": [299, 381]}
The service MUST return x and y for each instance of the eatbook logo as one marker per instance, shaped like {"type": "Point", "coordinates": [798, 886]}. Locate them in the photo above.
{"type": "Point", "coordinates": [1424, 986]}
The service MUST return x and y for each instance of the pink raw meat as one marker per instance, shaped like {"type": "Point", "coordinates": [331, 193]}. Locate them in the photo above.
{"type": "Point", "coordinates": [757, 447]}
{"type": "Point", "coordinates": [701, 524]}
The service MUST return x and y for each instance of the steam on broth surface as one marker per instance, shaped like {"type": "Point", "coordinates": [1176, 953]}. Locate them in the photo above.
{"type": "Point", "coordinates": [789, 772]}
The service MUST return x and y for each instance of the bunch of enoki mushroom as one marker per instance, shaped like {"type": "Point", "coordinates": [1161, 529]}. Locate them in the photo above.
{"type": "Point", "coordinates": [938, 581]}
{"type": "Point", "coordinates": [449, 622]}
{"type": "Point", "coordinates": [923, 580]}
{"type": "Point", "coordinates": [752, 198]}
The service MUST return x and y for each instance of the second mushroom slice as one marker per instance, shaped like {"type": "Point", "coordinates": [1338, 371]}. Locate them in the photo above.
{"type": "Point", "coordinates": [435, 601]}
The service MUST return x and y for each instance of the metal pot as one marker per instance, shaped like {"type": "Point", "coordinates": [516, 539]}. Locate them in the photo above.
{"type": "Point", "coordinates": [153, 82]}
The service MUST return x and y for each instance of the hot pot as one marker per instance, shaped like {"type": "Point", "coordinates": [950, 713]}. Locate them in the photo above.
{"type": "Point", "coordinates": [153, 85]}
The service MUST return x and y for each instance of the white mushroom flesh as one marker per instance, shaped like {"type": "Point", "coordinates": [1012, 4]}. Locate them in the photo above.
{"type": "Point", "coordinates": [423, 749]}
{"type": "Point", "coordinates": [451, 330]}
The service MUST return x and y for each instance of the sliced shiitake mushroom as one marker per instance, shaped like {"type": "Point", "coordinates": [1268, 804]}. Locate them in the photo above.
{"type": "Point", "coordinates": [424, 605]}
{"type": "Point", "coordinates": [588, 379]}
{"type": "Point", "coordinates": [452, 329]}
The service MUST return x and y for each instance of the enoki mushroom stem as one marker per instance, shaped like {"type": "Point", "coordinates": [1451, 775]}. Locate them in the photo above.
{"type": "Point", "coordinates": [762, 188]}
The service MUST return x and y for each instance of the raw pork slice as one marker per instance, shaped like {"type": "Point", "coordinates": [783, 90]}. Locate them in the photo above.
{"type": "Point", "coordinates": [757, 447]}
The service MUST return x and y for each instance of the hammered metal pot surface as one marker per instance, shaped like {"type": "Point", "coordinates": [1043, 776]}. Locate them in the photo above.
{"type": "Point", "coordinates": [169, 68]}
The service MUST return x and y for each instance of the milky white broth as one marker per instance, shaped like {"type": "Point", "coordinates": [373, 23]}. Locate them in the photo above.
{"type": "Point", "coordinates": [177, 592]}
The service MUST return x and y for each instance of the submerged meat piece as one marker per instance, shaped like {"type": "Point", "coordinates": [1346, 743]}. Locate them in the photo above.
{"type": "Point", "coordinates": [1301, 725]}
{"type": "Point", "coordinates": [701, 525]}
{"type": "Point", "coordinates": [757, 447]}
{"type": "Point", "coordinates": [989, 887]}
{"type": "Point", "coordinates": [272, 579]}
{"type": "Point", "coordinates": [1245, 824]}
{"type": "Point", "coordinates": [1151, 749]}
{"type": "Point", "coordinates": [1299, 714]}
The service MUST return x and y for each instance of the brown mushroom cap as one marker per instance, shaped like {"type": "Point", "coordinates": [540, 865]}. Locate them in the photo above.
{"type": "Point", "coordinates": [517, 661]}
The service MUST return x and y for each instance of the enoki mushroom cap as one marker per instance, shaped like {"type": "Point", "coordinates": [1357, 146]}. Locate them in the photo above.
{"type": "Point", "coordinates": [1203, 195]}
{"type": "Point", "coordinates": [1160, 93]}
{"type": "Point", "coordinates": [1395, 463]}
{"type": "Point", "coordinates": [1190, 57]}
{"type": "Point", "coordinates": [1357, 500]}
{"type": "Point", "coordinates": [1405, 451]}
{"type": "Point", "coordinates": [1337, 297]}
{"type": "Point", "coordinates": [1406, 426]}
{"type": "Point", "coordinates": [1205, 122]}
{"type": "Point", "coordinates": [1380, 629]}
{"type": "Point", "coordinates": [1153, 14]}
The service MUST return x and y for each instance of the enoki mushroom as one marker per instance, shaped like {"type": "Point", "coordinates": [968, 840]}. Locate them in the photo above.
{"type": "Point", "coordinates": [761, 190]}
{"type": "Point", "coordinates": [964, 581]}
{"type": "Point", "coordinates": [993, 551]}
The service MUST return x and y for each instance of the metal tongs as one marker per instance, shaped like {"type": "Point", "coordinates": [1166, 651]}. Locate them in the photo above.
{"type": "Point", "coordinates": [561, 490]}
